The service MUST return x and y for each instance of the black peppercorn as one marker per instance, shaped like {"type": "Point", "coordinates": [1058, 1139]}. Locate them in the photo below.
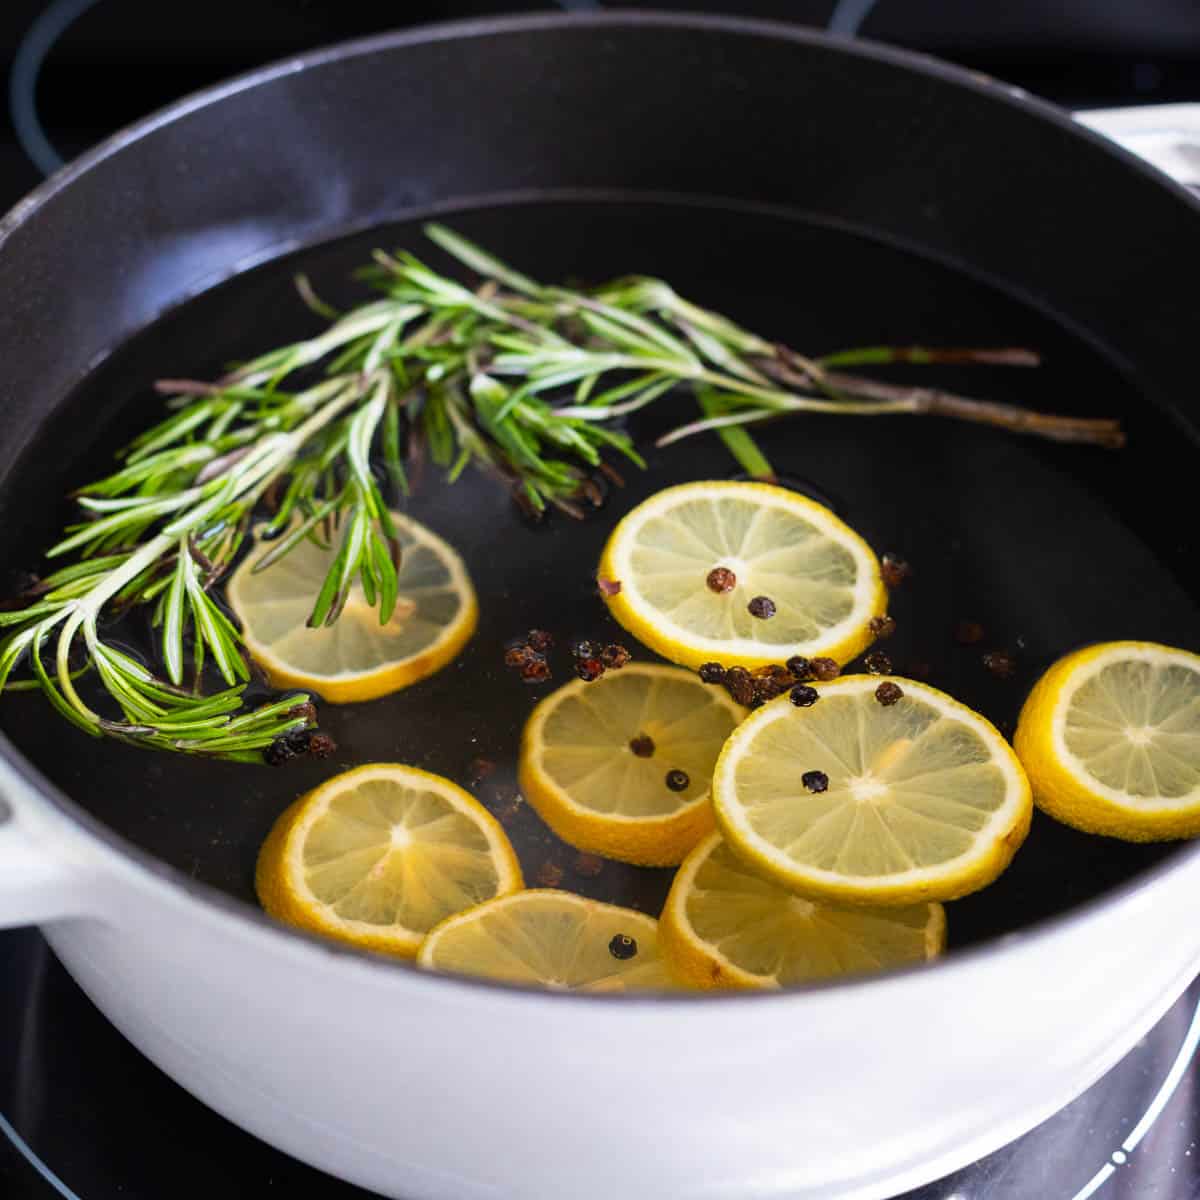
{"type": "Point", "coordinates": [589, 669]}
{"type": "Point", "coordinates": [803, 696]}
{"type": "Point", "coordinates": [815, 781]}
{"type": "Point", "coordinates": [539, 640]}
{"type": "Point", "coordinates": [762, 607]}
{"type": "Point", "coordinates": [712, 672]}
{"type": "Point", "coordinates": [642, 745]}
{"type": "Point", "coordinates": [799, 667]}
{"type": "Point", "coordinates": [623, 946]}
{"type": "Point", "coordinates": [878, 663]}
{"type": "Point", "coordinates": [677, 780]}
{"type": "Point", "coordinates": [887, 693]}
{"type": "Point", "coordinates": [582, 648]}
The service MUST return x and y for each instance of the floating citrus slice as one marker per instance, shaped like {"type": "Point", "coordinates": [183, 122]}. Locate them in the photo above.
{"type": "Point", "coordinates": [859, 802]}
{"type": "Point", "coordinates": [552, 939]}
{"type": "Point", "coordinates": [1110, 737]}
{"type": "Point", "coordinates": [379, 855]}
{"type": "Point", "coordinates": [356, 658]}
{"type": "Point", "coordinates": [723, 926]}
{"type": "Point", "coordinates": [622, 766]}
{"type": "Point", "coordinates": [742, 574]}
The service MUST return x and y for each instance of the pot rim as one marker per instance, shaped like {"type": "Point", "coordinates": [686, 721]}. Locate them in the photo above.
{"type": "Point", "coordinates": [149, 870]}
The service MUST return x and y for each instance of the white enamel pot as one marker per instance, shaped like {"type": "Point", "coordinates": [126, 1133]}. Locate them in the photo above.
{"type": "Point", "coordinates": [430, 1088]}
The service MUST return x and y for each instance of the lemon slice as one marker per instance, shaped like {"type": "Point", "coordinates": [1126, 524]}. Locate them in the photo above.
{"type": "Point", "coordinates": [356, 658]}
{"type": "Point", "coordinates": [923, 800]}
{"type": "Point", "coordinates": [820, 578]}
{"type": "Point", "coordinates": [725, 927]}
{"type": "Point", "coordinates": [552, 939]}
{"type": "Point", "coordinates": [379, 855]}
{"type": "Point", "coordinates": [1110, 736]}
{"type": "Point", "coordinates": [595, 760]}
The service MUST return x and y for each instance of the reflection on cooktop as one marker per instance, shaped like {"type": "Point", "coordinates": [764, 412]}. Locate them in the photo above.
{"type": "Point", "coordinates": [88, 1118]}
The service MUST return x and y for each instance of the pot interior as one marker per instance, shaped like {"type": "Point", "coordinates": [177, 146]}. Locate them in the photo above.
{"type": "Point", "coordinates": [1046, 546]}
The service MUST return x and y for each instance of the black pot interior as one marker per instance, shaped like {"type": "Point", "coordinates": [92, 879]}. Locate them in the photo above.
{"type": "Point", "coordinates": [1046, 546]}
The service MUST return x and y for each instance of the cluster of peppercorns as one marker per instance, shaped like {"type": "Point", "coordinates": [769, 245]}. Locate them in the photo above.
{"type": "Point", "coordinates": [754, 688]}
{"type": "Point", "coordinates": [591, 661]}
{"type": "Point", "coordinates": [528, 656]}
{"type": "Point", "coordinates": [296, 744]}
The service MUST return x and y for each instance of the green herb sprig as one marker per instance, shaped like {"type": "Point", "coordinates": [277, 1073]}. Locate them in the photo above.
{"type": "Point", "coordinates": [518, 378]}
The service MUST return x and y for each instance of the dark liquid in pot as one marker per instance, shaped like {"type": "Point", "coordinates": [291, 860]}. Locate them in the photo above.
{"type": "Point", "coordinates": [1046, 546]}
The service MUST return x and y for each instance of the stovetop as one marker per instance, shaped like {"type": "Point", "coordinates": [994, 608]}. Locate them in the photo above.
{"type": "Point", "coordinates": [82, 1114]}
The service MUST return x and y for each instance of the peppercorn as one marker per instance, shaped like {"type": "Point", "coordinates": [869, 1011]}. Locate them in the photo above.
{"type": "Point", "coordinates": [642, 745]}
{"type": "Point", "coordinates": [762, 607]}
{"type": "Point", "coordinates": [549, 874]}
{"type": "Point", "coordinates": [582, 648]}
{"type": "Point", "coordinates": [677, 780]}
{"type": "Point", "coordinates": [589, 669]}
{"type": "Point", "coordinates": [882, 626]}
{"type": "Point", "coordinates": [614, 656]}
{"type": "Point", "coordinates": [815, 781]}
{"type": "Point", "coordinates": [623, 946]}
{"type": "Point", "coordinates": [307, 710]}
{"type": "Point", "coordinates": [278, 752]}
{"type": "Point", "coordinates": [321, 745]}
{"type": "Point", "coordinates": [517, 656]}
{"type": "Point", "coordinates": [536, 670]}
{"type": "Point", "coordinates": [968, 633]}
{"type": "Point", "coordinates": [894, 570]}
{"type": "Point", "coordinates": [824, 669]}
{"type": "Point", "coordinates": [887, 693]}
{"type": "Point", "coordinates": [539, 640]}
{"type": "Point", "coordinates": [803, 696]}
{"type": "Point", "coordinates": [1000, 663]}
{"type": "Point", "coordinates": [721, 580]}
{"type": "Point", "coordinates": [799, 667]}
{"type": "Point", "coordinates": [878, 663]}
{"type": "Point", "coordinates": [739, 684]}
{"type": "Point", "coordinates": [712, 672]}
{"type": "Point", "coordinates": [771, 681]}
{"type": "Point", "coordinates": [588, 865]}
{"type": "Point", "coordinates": [608, 587]}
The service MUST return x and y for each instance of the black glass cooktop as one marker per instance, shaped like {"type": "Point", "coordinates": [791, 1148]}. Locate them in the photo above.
{"type": "Point", "coordinates": [88, 1118]}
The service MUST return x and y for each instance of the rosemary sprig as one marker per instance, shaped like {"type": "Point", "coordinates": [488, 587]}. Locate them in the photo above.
{"type": "Point", "coordinates": [521, 379]}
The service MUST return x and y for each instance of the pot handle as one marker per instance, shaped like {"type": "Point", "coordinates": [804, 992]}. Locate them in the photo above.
{"type": "Point", "coordinates": [40, 877]}
{"type": "Point", "coordinates": [1166, 135]}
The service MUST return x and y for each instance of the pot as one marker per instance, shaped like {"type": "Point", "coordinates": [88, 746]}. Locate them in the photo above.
{"type": "Point", "coordinates": [445, 1089]}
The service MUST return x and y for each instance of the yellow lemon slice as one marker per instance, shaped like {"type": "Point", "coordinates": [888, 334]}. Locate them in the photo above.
{"type": "Point", "coordinates": [696, 562]}
{"type": "Point", "coordinates": [1110, 737]}
{"type": "Point", "coordinates": [597, 761]}
{"type": "Point", "coordinates": [723, 926]}
{"type": "Point", "coordinates": [356, 658]}
{"type": "Point", "coordinates": [551, 939]}
{"type": "Point", "coordinates": [856, 802]}
{"type": "Point", "coordinates": [379, 855]}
